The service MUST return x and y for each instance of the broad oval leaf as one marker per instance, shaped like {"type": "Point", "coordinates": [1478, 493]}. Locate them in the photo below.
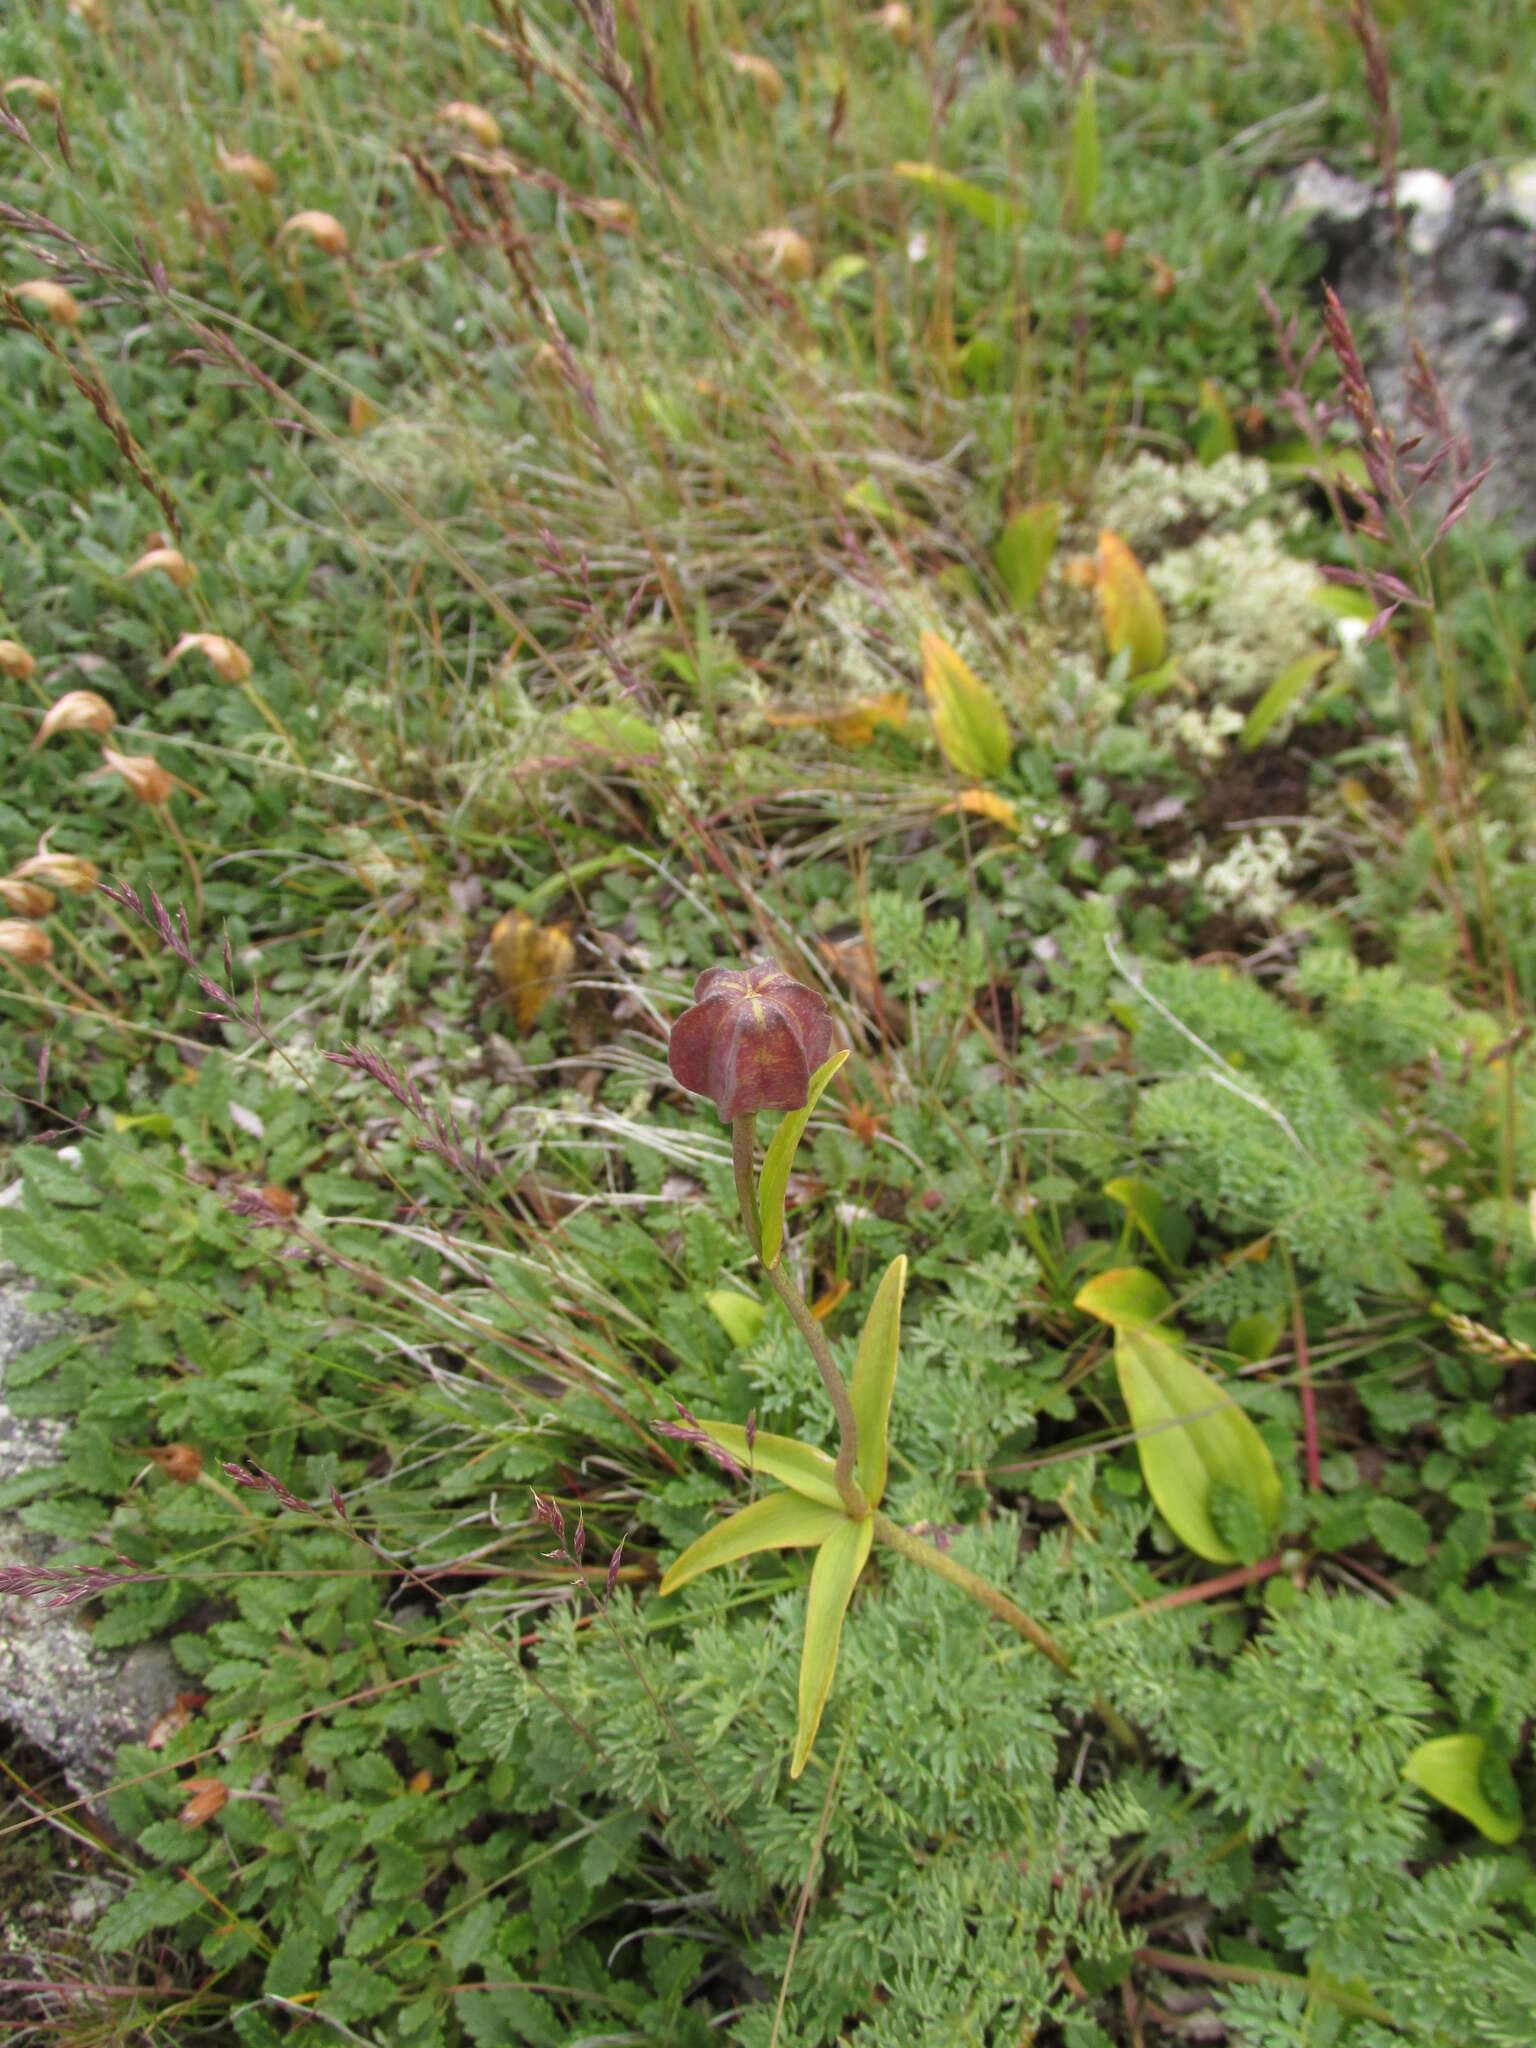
{"type": "Point", "coordinates": [1192, 1437]}
{"type": "Point", "coordinates": [741, 1316]}
{"type": "Point", "coordinates": [833, 1577]}
{"type": "Point", "coordinates": [532, 962]}
{"type": "Point", "coordinates": [967, 717]}
{"type": "Point", "coordinates": [874, 1379]}
{"type": "Point", "coordinates": [779, 1521]}
{"type": "Point", "coordinates": [1023, 551]}
{"type": "Point", "coordinates": [774, 1178]}
{"type": "Point", "coordinates": [1126, 1297]}
{"type": "Point", "coordinates": [1288, 688]}
{"type": "Point", "coordinates": [799, 1466]}
{"type": "Point", "coordinates": [1168, 1230]}
{"type": "Point", "coordinates": [1133, 618]}
{"type": "Point", "coordinates": [1451, 1768]}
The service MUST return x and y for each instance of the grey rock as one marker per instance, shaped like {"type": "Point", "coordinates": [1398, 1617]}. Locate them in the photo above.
{"type": "Point", "coordinates": [1471, 290]}
{"type": "Point", "coordinates": [72, 1701]}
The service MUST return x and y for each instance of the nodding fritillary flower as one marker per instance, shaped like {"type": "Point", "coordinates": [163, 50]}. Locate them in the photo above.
{"type": "Point", "coordinates": [752, 1039]}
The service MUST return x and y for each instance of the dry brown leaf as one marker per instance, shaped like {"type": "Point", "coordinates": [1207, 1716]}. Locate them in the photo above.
{"type": "Point", "coordinates": [826, 1303]}
{"type": "Point", "coordinates": [532, 963]}
{"type": "Point", "coordinates": [362, 413]}
{"type": "Point", "coordinates": [208, 1797]}
{"type": "Point", "coordinates": [986, 803]}
{"type": "Point", "coordinates": [854, 724]}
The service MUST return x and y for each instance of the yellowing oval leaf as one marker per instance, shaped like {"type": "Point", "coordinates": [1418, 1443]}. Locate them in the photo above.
{"type": "Point", "coordinates": [779, 1521]}
{"type": "Point", "coordinates": [1126, 1297]}
{"type": "Point", "coordinates": [1451, 1769]}
{"type": "Point", "coordinates": [1133, 618]}
{"type": "Point", "coordinates": [801, 1467]}
{"type": "Point", "coordinates": [773, 1181]}
{"type": "Point", "coordinates": [986, 803]}
{"type": "Point", "coordinates": [833, 1577]}
{"type": "Point", "coordinates": [1192, 1438]}
{"type": "Point", "coordinates": [1168, 1230]}
{"type": "Point", "coordinates": [532, 962]}
{"type": "Point", "coordinates": [967, 717]}
{"type": "Point", "coordinates": [874, 1379]}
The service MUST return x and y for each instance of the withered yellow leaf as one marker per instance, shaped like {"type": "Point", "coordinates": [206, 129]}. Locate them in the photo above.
{"type": "Point", "coordinates": [967, 717]}
{"type": "Point", "coordinates": [854, 724]}
{"type": "Point", "coordinates": [1133, 618]}
{"type": "Point", "coordinates": [532, 963]}
{"type": "Point", "coordinates": [986, 803]}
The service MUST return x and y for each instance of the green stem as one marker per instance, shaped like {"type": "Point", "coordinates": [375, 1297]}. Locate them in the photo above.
{"type": "Point", "coordinates": [943, 1566]}
{"type": "Point", "coordinates": [743, 1136]}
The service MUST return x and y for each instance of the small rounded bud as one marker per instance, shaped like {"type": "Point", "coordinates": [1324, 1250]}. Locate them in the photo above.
{"type": "Point", "coordinates": [759, 73]}
{"type": "Point", "coordinates": [323, 229]}
{"type": "Point", "coordinates": [16, 662]}
{"type": "Point", "coordinates": [26, 899]}
{"type": "Point", "coordinates": [752, 1039]}
{"type": "Point", "coordinates": [229, 660]}
{"type": "Point", "coordinates": [55, 299]}
{"type": "Point", "coordinates": [143, 774]}
{"type": "Point", "coordinates": [475, 121]}
{"type": "Point", "coordinates": [181, 1462]}
{"type": "Point", "coordinates": [27, 944]}
{"type": "Point", "coordinates": [206, 1797]}
{"type": "Point", "coordinates": [785, 252]}
{"type": "Point", "coordinates": [58, 871]}
{"type": "Point", "coordinates": [76, 711]}
{"type": "Point", "coordinates": [169, 561]}
{"type": "Point", "coordinates": [259, 175]}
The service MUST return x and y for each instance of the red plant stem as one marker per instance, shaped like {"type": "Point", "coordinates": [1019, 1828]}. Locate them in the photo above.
{"type": "Point", "coordinates": [1308, 1398]}
{"type": "Point", "coordinates": [1212, 1589]}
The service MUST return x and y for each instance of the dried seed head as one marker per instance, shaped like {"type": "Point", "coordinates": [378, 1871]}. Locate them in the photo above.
{"type": "Point", "coordinates": [181, 1462]}
{"type": "Point", "coordinates": [27, 899]}
{"type": "Point", "coordinates": [323, 229]}
{"type": "Point", "coordinates": [240, 163]}
{"type": "Point", "coordinates": [27, 944]}
{"type": "Point", "coordinates": [143, 774]}
{"type": "Point", "coordinates": [207, 1796]}
{"type": "Point", "coordinates": [76, 711]}
{"type": "Point", "coordinates": [759, 73]}
{"type": "Point", "coordinates": [784, 251]}
{"type": "Point", "coordinates": [229, 660]}
{"type": "Point", "coordinates": [616, 216]}
{"type": "Point", "coordinates": [475, 121]}
{"type": "Point", "coordinates": [170, 561]}
{"type": "Point", "coordinates": [16, 662]}
{"type": "Point", "coordinates": [362, 413]}
{"type": "Point", "coordinates": [58, 870]}
{"type": "Point", "coordinates": [752, 1039]}
{"type": "Point", "coordinates": [46, 95]}
{"type": "Point", "coordinates": [895, 18]}
{"type": "Point", "coordinates": [56, 300]}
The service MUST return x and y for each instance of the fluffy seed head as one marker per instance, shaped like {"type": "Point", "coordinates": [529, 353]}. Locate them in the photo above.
{"type": "Point", "coordinates": [752, 1039]}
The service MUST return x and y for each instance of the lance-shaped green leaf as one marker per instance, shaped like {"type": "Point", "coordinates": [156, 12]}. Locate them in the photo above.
{"type": "Point", "coordinates": [773, 1181]}
{"type": "Point", "coordinates": [1286, 691]}
{"type": "Point", "coordinates": [801, 1466]}
{"type": "Point", "coordinates": [779, 1521]}
{"type": "Point", "coordinates": [1168, 1230]}
{"type": "Point", "coordinates": [1126, 1297]}
{"type": "Point", "coordinates": [833, 1578]}
{"type": "Point", "coordinates": [967, 718]}
{"type": "Point", "coordinates": [1455, 1770]}
{"type": "Point", "coordinates": [741, 1316]}
{"type": "Point", "coordinates": [874, 1378]}
{"type": "Point", "coordinates": [1193, 1440]}
{"type": "Point", "coordinates": [992, 209]}
{"type": "Point", "coordinates": [1023, 551]}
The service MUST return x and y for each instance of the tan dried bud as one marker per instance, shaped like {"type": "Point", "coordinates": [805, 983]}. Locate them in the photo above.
{"type": "Point", "coordinates": [362, 413]}
{"type": "Point", "coordinates": [76, 711]}
{"type": "Point", "coordinates": [239, 163]}
{"type": "Point", "coordinates": [207, 1796]}
{"type": "Point", "coordinates": [169, 561]}
{"type": "Point", "coordinates": [181, 1462]}
{"type": "Point", "coordinates": [229, 660]}
{"type": "Point", "coordinates": [323, 229]}
{"type": "Point", "coordinates": [143, 774]}
{"type": "Point", "coordinates": [27, 899]}
{"type": "Point", "coordinates": [1113, 242]}
{"type": "Point", "coordinates": [56, 300]}
{"type": "Point", "coordinates": [16, 662]}
{"type": "Point", "coordinates": [27, 944]}
{"type": "Point", "coordinates": [762, 75]}
{"type": "Point", "coordinates": [46, 95]}
{"type": "Point", "coordinates": [58, 870]}
{"type": "Point", "coordinates": [784, 251]}
{"type": "Point", "coordinates": [475, 121]}
{"type": "Point", "coordinates": [895, 18]}
{"type": "Point", "coordinates": [615, 216]}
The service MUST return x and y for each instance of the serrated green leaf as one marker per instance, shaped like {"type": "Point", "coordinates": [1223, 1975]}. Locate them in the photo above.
{"type": "Point", "coordinates": [1288, 688]}
{"type": "Point", "coordinates": [741, 1316]}
{"type": "Point", "coordinates": [967, 718]}
{"type": "Point", "coordinates": [833, 1577]}
{"type": "Point", "coordinates": [779, 1521]}
{"type": "Point", "coordinates": [1168, 1230]}
{"type": "Point", "coordinates": [1023, 551]}
{"type": "Point", "coordinates": [992, 209]}
{"type": "Point", "coordinates": [1126, 1297]}
{"type": "Point", "coordinates": [1254, 1337]}
{"type": "Point", "coordinates": [874, 1379]}
{"type": "Point", "coordinates": [801, 1467]}
{"type": "Point", "coordinates": [1401, 1530]}
{"type": "Point", "coordinates": [1191, 1437]}
{"type": "Point", "coordinates": [1085, 151]}
{"type": "Point", "coordinates": [1450, 1768]}
{"type": "Point", "coordinates": [773, 1181]}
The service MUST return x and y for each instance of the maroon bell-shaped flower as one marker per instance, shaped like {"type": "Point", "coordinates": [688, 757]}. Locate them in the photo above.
{"type": "Point", "coordinates": [752, 1039]}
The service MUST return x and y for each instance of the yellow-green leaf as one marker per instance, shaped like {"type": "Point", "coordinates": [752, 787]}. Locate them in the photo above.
{"type": "Point", "coordinates": [874, 1378]}
{"type": "Point", "coordinates": [833, 1578]}
{"type": "Point", "coordinates": [780, 1157]}
{"type": "Point", "coordinates": [741, 1316]}
{"type": "Point", "coordinates": [800, 1466]}
{"type": "Point", "coordinates": [611, 729]}
{"type": "Point", "coordinates": [1023, 551]}
{"type": "Point", "coordinates": [1451, 1769]}
{"type": "Point", "coordinates": [779, 1521]}
{"type": "Point", "coordinates": [1085, 151]}
{"type": "Point", "coordinates": [967, 717]}
{"type": "Point", "coordinates": [993, 209]}
{"type": "Point", "coordinates": [1192, 1438]}
{"type": "Point", "coordinates": [1126, 1297]}
{"type": "Point", "coordinates": [1288, 688]}
{"type": "Point", "coordinates": [1133, 618]}
{"type": "Point", "coordinates": [1215, 433]}
{"type": "Point", "coordinates": [1168, 1230]}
